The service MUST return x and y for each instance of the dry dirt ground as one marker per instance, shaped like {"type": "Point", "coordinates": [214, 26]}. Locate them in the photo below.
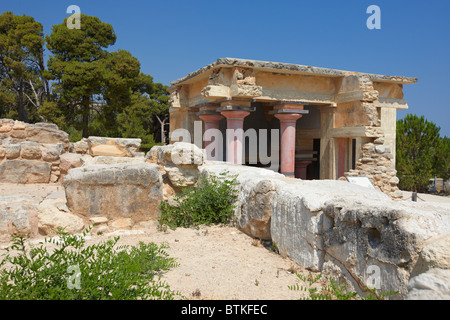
{"type": "Point", "coordinates": [215, 262]}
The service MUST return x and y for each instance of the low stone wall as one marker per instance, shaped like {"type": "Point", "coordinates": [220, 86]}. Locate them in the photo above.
{"type": "Point", "coordinates": [41, 153]}
{"type": "Point", "coordinates": [345, 231]}
{"type": "Point", "coordinates": [42, 132]}
{"type": "Point", "coordinates": [29, 162]}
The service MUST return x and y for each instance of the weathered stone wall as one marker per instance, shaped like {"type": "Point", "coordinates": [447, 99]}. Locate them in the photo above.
{"type": "Point", "coordinates": [42, 132]}
{"type": "Point", "coordinates": [41, 153]}
{"type": "Point", "coordinates": [377, 163]}
{"type": "Point", "coordinates": [29, 162]}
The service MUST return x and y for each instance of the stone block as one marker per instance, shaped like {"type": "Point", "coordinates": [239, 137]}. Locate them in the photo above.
{"type": "Point", "coordinates": [12, 151]}
{"type": "Point", "coordinates": [126, 190]}
{"type": "Point", "coordinates": [115, 147]}
{"type": "Point", "coordinates": [25, 171]}
{"type": "Point", "coordinates": [30, 150]}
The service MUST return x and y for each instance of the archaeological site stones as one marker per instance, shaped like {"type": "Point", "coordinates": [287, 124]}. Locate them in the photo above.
{"type": "Point", "coordinates": [328, 126]}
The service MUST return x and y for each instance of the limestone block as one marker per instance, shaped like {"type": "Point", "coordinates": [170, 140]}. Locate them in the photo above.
{"type": "Point", "coordinates": [2, 152]}
{"type": "Point", "coordinates": [116, 147]}
{"type": "Point", "coordinates": [184, 153]}
{"type": "Point", "coordinates": [256, 190]}
{"type": "Point", "coordinates": [386, 234]}
{"type": "Point", "coordinates": [98, 220]}
{"type": "Point", "coordinates": [435, 254]}
{"type": "Point", "coordinates": [30, 150]}
{"type": "Point", "coordinates": [18, 134]}
{"type": "Point", "coordinates": [180, 160]}
{"type": "Point", "coordinates": [12, 151]}
{"type": "Point", "coordinates": [237, 90]}
{"type": "Point", "coordinates": [127, 190]}
{"type": "Point", "coordinates": [54, 214]}
{"type": "Point", "coordinates": [25, 171]}
{"type": "Point", "coordinates": [216, 91]}
{"type": "Point", "coordinates": [432, 285]}
{"type": "Point", "coordinates": [81, 146]}
{"type": "Point", "coordinates": [182, 176]}
{"type": "Point", "coordinates": [69, 161]}
{"type": "Point", "coordinates": [122, 223]}
{"type": "Point", "coordinates": [394, 180]}
{"type": "Point", "coordinates": [19, 125]}
{"type": "Point", "coordinates": [88, 161]}
{"type": "Point", "coordinates": [5, 128]}
{"type": "Point", "coordinates": [47, 134]}
{"type": "Point", "coordinates": [51, 152]}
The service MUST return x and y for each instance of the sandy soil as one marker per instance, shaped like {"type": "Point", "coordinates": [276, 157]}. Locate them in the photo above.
{"type": "Point", "coordinates": [215, 262]}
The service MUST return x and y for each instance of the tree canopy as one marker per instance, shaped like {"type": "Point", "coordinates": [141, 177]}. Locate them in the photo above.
{"type": "Point", "coordinates": [421, 153]}
{"type": "Point", "coordinates": [85, 88]}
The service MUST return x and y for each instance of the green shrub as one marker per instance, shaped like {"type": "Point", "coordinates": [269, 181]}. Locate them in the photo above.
{"type": "Point", "coordinates": [74, 272]}
{"type": "Point", "coordinates": [334, 290]}
{"type": "Point", "coordinates": [212, 201]}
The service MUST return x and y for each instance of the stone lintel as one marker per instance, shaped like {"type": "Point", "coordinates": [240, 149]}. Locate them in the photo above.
{"type": "Point", "coordinates": [398, 104]}
{"type": "Point", "coordinates": [354, 132]}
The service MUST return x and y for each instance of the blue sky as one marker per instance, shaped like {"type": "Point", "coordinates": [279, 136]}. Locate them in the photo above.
{"type": "Point", "coordinates": [173, 38]}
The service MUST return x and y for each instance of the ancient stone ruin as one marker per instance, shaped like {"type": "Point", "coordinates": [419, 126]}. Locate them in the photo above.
{"type": "Point", "coordinates": [328, 119]}
{"type": "Point", "coordinates": [343, 230]}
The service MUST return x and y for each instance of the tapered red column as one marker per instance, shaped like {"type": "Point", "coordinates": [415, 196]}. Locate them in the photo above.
{"type": "Point", "coordinates": [235, 134]}
{"type": "Point", "coordinates": [287, 132]}
{"type": "Point", "coordinates": [288, 112]}
{"type": "Point", "coordinates": [211, 121]}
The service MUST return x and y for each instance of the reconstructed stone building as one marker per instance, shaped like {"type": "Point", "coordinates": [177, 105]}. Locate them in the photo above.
{"type": "Point", "coordinates": [331, 122]}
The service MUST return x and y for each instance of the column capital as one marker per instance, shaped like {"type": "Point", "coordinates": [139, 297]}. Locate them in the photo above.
{"type": "Point", "coordinates": [288, 117]}
{"type": "Point", "coordinates": [207, 112]}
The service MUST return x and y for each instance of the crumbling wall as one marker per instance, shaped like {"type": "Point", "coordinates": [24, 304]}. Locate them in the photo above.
{"type": "Point", "coordinates": [376, 163]}
{"type": "Point", "coordinates": [41, 153]}
{"type": "Point", "coordinates": [30, 153]}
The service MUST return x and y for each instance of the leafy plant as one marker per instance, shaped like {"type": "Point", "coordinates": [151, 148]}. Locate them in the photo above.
{"type": "Point", "coordinates": [73, 271]}
{"type": "Point", "coordinates": [334, 290]}
{"type": "Point", "coordinates": [212, 201]}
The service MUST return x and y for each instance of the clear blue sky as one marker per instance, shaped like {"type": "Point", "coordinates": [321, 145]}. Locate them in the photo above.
{"type": "Point", "coordinates": [173, 38]}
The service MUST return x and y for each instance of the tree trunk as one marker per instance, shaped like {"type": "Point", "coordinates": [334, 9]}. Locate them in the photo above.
{"type": "Point", "coordinates": [163, 134]}
{"type": "Point", "coordinates": [85, 112]}
{"type": "Point", "coordinates": [45, 84]}
{"type": "Point", "coordinates": [20, 104]}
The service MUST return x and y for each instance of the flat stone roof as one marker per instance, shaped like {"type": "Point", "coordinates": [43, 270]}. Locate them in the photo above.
{"type": "Point", "coordinates": [289, 68]}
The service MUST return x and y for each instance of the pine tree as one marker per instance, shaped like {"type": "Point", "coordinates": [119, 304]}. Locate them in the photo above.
{"type": "Point", "coordinates": [418, 142]}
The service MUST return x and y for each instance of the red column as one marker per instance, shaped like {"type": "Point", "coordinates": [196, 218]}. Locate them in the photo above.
{"type": "Point", "coordinates": [211, 122]}
{"type": "Point", "coordinates": [235, 122]}
{"type": "Point", "coordinates": [301, 169]}
{"type": "Point", "coordinates": [341, 157]}
{"type": "Point", "coordinates": [287, 131]}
